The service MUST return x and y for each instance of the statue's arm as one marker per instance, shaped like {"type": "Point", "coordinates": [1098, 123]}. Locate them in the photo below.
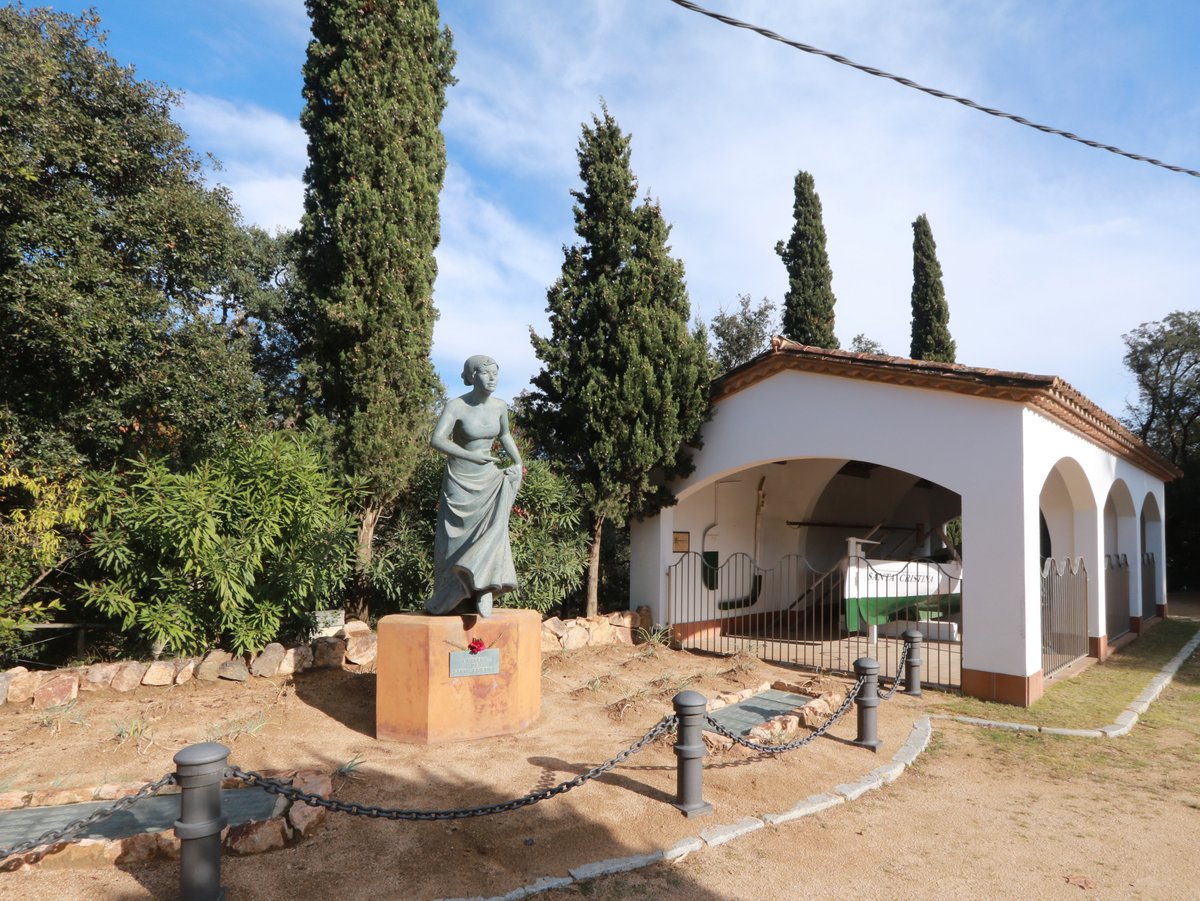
{"type": "Point", "coordinates": [506, 438]}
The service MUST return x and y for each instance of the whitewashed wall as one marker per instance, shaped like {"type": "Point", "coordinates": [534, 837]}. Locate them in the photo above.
{"type": "Point", "coordinates": [999, 456]}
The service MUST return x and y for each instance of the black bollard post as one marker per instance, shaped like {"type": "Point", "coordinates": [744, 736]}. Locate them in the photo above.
{"type": "Point", "coordinates": [868, 703]}
{"type": "Point", "coordinates": [912, 663]}
{"type": "Point", "coordinates": [690, 707]}
{"type": "Point", "coordinates": [199, 770]}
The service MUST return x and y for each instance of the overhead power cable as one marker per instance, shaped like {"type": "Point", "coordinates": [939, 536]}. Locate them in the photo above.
{"type": "Point", "coordinates": [943, 95]}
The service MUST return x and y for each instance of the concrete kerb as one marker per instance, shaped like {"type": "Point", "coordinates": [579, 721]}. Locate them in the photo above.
{"type": "Point", "coordinates": [1124, 721]}
{"type": "Point", "coordinates": [912, 748]}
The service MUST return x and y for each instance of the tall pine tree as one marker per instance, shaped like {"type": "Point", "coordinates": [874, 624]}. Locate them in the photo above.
{"type": "Point", "coordinates": [375, 87]}
{"type": "Point", "coordinates": [624, 385]}
{"type": "Point", "coordinates": [808, 304]}
{"type": "Point", "coordinates": [930, 313]}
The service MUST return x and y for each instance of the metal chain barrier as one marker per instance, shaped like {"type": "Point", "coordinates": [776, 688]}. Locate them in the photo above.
{"type": "Point", "coordinates": [887, 695]}
{"type": "Point", "coordinates": [72, 830]}
{"type": "Point", "coordinates": [276, 787]}
{"type": "Point", "coordinates": [798, 743]}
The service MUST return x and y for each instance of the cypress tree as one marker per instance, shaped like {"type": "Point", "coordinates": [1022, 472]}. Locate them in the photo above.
{"type": "Point", "coordinates": [930, 313]}
{"type": "Point", "coordinates": [624, 384]}
{"type": "Point", "coordinates": [808, 304]}
{"type": "Point", "coordinates": [375, 84]}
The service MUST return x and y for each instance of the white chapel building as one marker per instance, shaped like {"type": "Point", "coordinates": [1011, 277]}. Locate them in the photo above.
{"type": "Point", "coordinates": [839, 499]}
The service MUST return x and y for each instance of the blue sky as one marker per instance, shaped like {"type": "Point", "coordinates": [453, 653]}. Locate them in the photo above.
{"type": "Point", "coordinates": [1050, 250]}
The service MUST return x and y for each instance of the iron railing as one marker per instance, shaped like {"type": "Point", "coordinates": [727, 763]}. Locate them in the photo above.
{"type": "Point", "coordinates": [1116, 595]}
{"type": "Point", "coordinates": [798, 614]}
{"type": "Point", "coordinates": [1064, 614]}
{"type": "Point", "coordinates": [1149, 587]}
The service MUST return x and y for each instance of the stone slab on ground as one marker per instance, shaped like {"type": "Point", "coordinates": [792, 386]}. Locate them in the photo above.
{"type": "Point", "coordinates": [233, 670]}
{"type": "Point", "coordinates": [1116, 731]}
{"type": "Point", "coordinates": [150, 814]}
{"type": "Point", "coordinates": [56, 691]}
{"type": "Point", "coordinates": [267, 663]}
{"type": "Point", "coordinates": [208, 668]}
{"type": "Point", "coordinates": [742, 716]}
{"type": "Point", "coordinates": [160, 672]}
{"type": "Point", "coordinates": [129, 676]}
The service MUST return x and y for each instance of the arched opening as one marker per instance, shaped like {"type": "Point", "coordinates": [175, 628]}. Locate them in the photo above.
{"type": "Point", "coordinates": [819, 561]}
{"type": "Point", "coordinates": [1153, 558]}
{"type": "Point", "coordinates": [1120, 559]}
{"type": "Point", "coordinates": [1067, 519]}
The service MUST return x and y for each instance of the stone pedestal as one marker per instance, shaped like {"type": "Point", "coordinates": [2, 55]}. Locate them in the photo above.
{"type": "Point", "coordinates": [423, 696]}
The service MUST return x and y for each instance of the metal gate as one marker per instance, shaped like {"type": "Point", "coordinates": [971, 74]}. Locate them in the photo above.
{"type": "Point", "coordinates": [1064, 614]}
{"type": "Point", "coordinates": [1116, 595]}
{"type": "Point", "coordinates": [1149, 587]}
{"type": "Point", "coordinates": [799, 615]}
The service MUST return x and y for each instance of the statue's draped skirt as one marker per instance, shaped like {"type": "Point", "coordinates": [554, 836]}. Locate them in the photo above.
{"type": "Point", "coordinates": [471, 553]}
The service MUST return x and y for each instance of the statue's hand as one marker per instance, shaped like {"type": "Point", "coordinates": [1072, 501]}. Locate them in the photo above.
{"type": "Point", "coordinates": [482, 459]}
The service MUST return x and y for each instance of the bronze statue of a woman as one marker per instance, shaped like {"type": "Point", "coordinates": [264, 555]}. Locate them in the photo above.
{"type": "Point", "coordinates": [472, 557]}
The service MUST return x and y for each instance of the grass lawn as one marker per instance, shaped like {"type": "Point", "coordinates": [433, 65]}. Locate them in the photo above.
{"type": "Point", "coordinates": [1094, 697]}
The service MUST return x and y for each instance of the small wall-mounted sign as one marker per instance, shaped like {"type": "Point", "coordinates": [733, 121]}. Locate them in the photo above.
{"type": "Point", "coordinates": [481, 663]}
{"type": "Point", "coordinates": [681, 542]}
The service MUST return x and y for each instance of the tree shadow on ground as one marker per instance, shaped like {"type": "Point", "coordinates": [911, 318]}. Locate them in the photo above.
{"type": "Point", "coordinates": [348, 698]}
{"type": "Point", "coordinates": [358, 856]}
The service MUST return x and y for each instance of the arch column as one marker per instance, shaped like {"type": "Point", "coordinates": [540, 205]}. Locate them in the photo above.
{"type": "Point", "coordinates": [649, 557]}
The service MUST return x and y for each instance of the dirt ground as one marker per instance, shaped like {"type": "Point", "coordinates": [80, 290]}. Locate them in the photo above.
{"type": "Point", "coordinates": [982, 814]}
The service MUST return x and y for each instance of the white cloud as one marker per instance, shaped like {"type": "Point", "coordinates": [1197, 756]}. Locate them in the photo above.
{"type": "Point", "coordinates": [262, 156]}
{"type": "Point", "coordinates": [493, 272]}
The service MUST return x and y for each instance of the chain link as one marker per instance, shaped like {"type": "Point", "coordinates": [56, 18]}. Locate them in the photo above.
{"type": "Point", "coordinates": [887, 696]}
{"type": "Point", "coordinates": [714, 726]}
{"type": "Point", "coordinates": [275, 787]}
{"type": "Point", "coordinates": [72, 830]}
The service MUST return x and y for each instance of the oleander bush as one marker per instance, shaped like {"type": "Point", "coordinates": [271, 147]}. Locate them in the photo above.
{"type": "Point", "coordinates": [224, 552]}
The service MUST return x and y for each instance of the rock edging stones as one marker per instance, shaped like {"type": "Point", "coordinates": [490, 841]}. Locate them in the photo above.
{"type": "Point", "coordinates": [353, 647]}
{"type": "Point", "coordinates": [291, 822]}
{"type": "Point", "coordinates": [622, 627]}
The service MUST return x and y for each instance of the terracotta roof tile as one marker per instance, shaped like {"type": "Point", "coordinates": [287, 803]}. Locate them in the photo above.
{"type": "Point", "coordinates": [1048, 394]}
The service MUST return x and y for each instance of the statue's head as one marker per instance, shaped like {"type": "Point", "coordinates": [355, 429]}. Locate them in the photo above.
{"type": "Point", "coordinates": [474, 364]}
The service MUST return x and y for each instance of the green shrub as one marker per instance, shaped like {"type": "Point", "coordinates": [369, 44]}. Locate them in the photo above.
{"type": "Point", "coordinates": [41, 515]}
{"type": "Point", "coordinates": [224, 552]}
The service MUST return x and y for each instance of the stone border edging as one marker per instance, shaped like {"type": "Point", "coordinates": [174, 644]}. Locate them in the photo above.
{"type": "Point", "coordinates": [1125, 719]}
{"type": "Point", "coordinates": [353, 647]}
{"type": "Point", "coordinates": [912, 748]}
